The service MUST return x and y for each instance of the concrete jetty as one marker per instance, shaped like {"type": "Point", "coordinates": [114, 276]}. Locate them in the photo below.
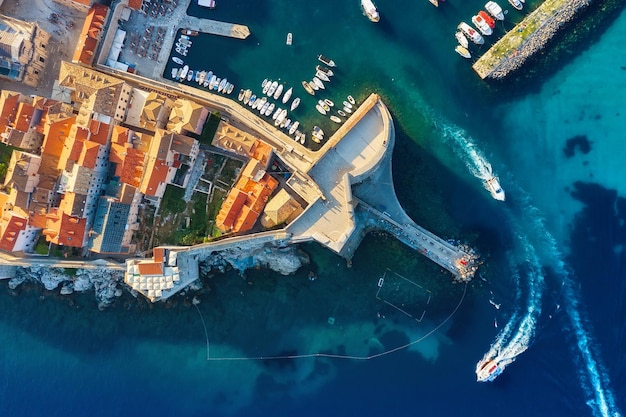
{"type": "Point", "coordinates": [527, 38]}
{"type": "Point", "coordinates": [214, 27]}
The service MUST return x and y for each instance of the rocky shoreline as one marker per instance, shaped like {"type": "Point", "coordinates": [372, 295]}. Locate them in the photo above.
{"type": "Point", "coordinates": [109, 284]}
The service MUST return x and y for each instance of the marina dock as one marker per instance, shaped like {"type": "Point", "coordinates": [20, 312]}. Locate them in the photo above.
{"type": "Point", "coordinates": [214, 27]}
{"type": "Point", "coordinates": [527, 38]}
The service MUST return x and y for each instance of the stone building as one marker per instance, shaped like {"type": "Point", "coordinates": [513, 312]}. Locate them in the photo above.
{"type": "Point", "coordinates": [23, 52]}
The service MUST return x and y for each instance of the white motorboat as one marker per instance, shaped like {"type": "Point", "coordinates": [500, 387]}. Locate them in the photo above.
{"type": "Point", "coordinates": [190, 75]}
{"type": "Point", "coordinates": [294, 127]}
{"type": "Point", "coordinates": [347, 109]}
{"type": "Point", "coordinates": [335, 119]}
{"type": "Point", "coordinates": [341, 113]}
{"type": "Point", "coordinates": [326, 61]}
{"type": "Point", "coordinates": [287, 95]}
{"type": "Point", "coordinates": [320, 109]}
{"type": "Point", "coordinates": [370, 10]}
{"type": "Point", "coordinates": [252, 101]}
{"type": "Point", "coordinates": [347, 104]}
{"type": "Point", "coordinates": [246, 96]}
{"type": "Point", "coordinates": [325, 70]}
{"type": "Point", "coordinates": [464, 52]}
{"type": "Point", "coordinates": [221, 85]}
{"type": "Point", "coordinates": [272, 88]}
{"type": "Point", "coordinates": [324, 105]}
{"type": "Point", "coordinates": [322, 76]}
{"type": "Point", "coordinates": [270, 109]}
{"type": "Point", "coordinates": [313, 85]}
{"type": "Point", "coordinates": [308, 88]}
{"type": "Point", "coordinates": [241, 94]}
{"type": "Point", "coordinates": [319, 83]}
{"type": "Point", "coordinates": [329, 102]}
{"type": "Point", "coordinates": [260, 103]}
{"type": "Point", "coordinates": [481, 25]}
{"type": "Point", "coordinates": [184, 72]}
{"type": "Point", "coordinates": [471, 33]}
{"type": "Point", "coordinates": [492, 184]}
{"type": "Point", "coordinates": [230, 88]}
{"type": "Point", "coordinates": [462, 39]}
{"type": "Point", "coordinates": [276, 113]}
{"type": "Point", "coordinates": [264, 82]}
{"type": "Point", "coordinates": [177, 60]}
{"type": "Point", "coordinates": [495, 10]}
{"type": "Point", "coordinates": [267, 86]}
{"type": "Point", "coordinates": [295, 103]}
{"type": "Point", "coordinates": [517, 4]}
{"type": "Point", "coordinates": [279, 91]}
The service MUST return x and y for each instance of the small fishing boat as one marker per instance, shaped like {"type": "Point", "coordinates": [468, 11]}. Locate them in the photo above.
{"type": "Point", "coordinates": [322, 76]}
{"type": "Point", "coordinates": [189, 32]}
{"type": "Point", "coordinates": [320, 109]}
{"type": "Point", "coordinates": [174, 72]}
{"type": "Point", "coordinates": [302, 138]}
{"type": "Point", "coordinates": [325, 70]}
{"type": "Point", "coordinates": [487, 18]}
{"type": "Point", "coordinates": [314, 86]}
{"type": "Point", "coordinates": [346, 104]}
{"type": "Point", "coordinates": [462, 39]}
{"type": "Point", "coordinates": [221, 85]}
{"type": "Point", "coordinates": [341, 113]}
{"type": "Point", "coordinates": [246, 96]}
{"type": "Point", "coordinates": [481, 25]}
{"type": "Point", "coordinates": [335, 119]}
{"type": "Point", "coordinates": [272, 88]}
{"type": "Point", "coordinates": [517, 4]}
{"type": "Point", "coordinates": [270, 109]}
{"type": "Point", "coordinates": [241, 94]}
{"type": "Point", "coordinates": [260, 103]}
{"type": "Point", "coordinates": [294, 127]}
{"type": "Point", "coordinates": [308, 88]}
{"type": "Point", "coordinates": [317, 134]}
{"type": "Point", "coordinates": [264, 108]}
{"type": "Point", "coordinates": [495, 10]}
{"type": "Point", "coordinates": [252, 100]}
{"type": "Point", "coordinates": [264, 83]}
{"type": "Point", "coordinates": [217, 82]}
{"type": "Point", "coordinates": [289, 38]}
{"type": "Point", "coordinates": [351, 100]}
{"type": "Point", "coordinates": [319, 83]}
{"type": "Point", "coordinates": [287, 95]}
{"type": "Point", "coordinates": [329, 102]}
{"type": "Point", "coordinates": [279, 91]}
{"type": "Point", "coordinates": [472, 34]}
{"type": "Point", "coordinates": [177, 60]}
{"type": "Point", "coordinates": [295, 103]}
{"type": "Point", "coordinates": [464, 52]}
{"type": "Point", "coordinates": [347, 109]}
{"type": "Point", "coordinates": [323, 105]}
{"type": "Point", "coordinates": [190, 75]}
{"type": "Point", "coordinates": [276, 113]}
{"type": "Point", "coordinates": [284, 123]}
{"type": "Point", "coordinates": [230, 88]}
{"type": "Point", "coordinates": [267, 86]}
{"type": "Point", "coordinates": [326, 61]}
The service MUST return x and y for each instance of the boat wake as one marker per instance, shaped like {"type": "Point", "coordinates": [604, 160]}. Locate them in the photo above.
{"type": "Point", "coordinates": [539, 249]}
{"type": "Point", "coordinates": [473, 158]}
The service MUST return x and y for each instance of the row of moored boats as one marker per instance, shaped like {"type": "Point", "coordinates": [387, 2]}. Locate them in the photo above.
{"type": "Point", "coordinates": [484, 22]}
{"type": "Point", "coordinates": [263, 104]}
{"type": "Point", "coordinates": [204, 78]}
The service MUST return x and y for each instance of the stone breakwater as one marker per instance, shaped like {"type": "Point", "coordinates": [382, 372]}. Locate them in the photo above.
{"type": "Point", "coordinates": [527, 38]}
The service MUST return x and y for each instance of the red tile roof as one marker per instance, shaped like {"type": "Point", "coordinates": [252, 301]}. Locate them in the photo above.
{"type": "Point", "coordinates": [89, 155]}
{"type": "Point", "coordinates": [90, 35]}
{"type": "Point", "coordinates": [63, 229]}
{"type": "Point", "coordinates": [10, 227]}
{"type": "Point", "coordinates": [150, 268]}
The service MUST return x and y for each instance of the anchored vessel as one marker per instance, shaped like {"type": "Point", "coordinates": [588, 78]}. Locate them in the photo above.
{"type": "Point", "coordinates": [495, 10]}
{"type": "Point", "coordinates": [370, 10]}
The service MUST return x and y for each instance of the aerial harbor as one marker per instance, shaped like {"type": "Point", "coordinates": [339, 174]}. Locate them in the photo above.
{"type": "Point", "coordinates": [310, 208]}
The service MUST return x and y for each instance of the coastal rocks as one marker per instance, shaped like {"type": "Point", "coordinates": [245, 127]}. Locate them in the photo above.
{"type": "Point", "coordinates": [104, 282]}
{"type": "Point", "coordinates": [284, 260]}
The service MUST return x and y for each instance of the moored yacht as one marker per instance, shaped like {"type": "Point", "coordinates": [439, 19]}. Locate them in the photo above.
{"type": "Point", "coordinates": [246, 96]}
{"type": "Point", "coordinates": [308, 88]}
{"type": "Point", "coordinates": [294, 127]}
{"type": "Point", "coordinates": [370, 10]}
{"type": "Point", "coordinates": [463, 51]}
{"type": "Point", "coordinates": [495, 10]}
{"type": "Point", "coordinates": [326, 61]}
{"type": "Point", "coordinates": [325, 70]}
{"type": "Point", "coordinates": [319, 83]}
{"type": "Point", "coordinates": [472, 34]}
{"type": "Point", "coordinates": [241, 94]}
{"type": "Point", "coordinates": [481, 25]}
{"type": "Point", "coordinates": [266, 86]}
{"type": "Point", "coordinates": [287, 95]}
{"type": "Point", "coordinates": [487, 18]}
{"type": "Point", "coordinates": [322, 76]}
{"type": "Point", "coordinates": [462, 39]}
{"type": "Point", "coordinates": [295, 103]}
{"type": "Point", "coordinates": [270, 109]}
{"type": "Point", "coordinates": [279, 91]}
{"type": "Point", "coordinates": [272, 88]}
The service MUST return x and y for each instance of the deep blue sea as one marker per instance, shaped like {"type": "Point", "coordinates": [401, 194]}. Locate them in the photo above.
{"type": "Point", "coordinates": [554, 252]}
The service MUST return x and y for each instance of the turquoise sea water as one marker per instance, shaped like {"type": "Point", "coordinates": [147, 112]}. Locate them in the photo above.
{"type": "Point", "coordinates": [553, 252]}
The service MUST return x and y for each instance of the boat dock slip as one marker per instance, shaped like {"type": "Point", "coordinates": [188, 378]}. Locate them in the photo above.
{"type": "Point", "coordinates": [215, 27]}
{"type": "Point", "coordinates": [526, 38]}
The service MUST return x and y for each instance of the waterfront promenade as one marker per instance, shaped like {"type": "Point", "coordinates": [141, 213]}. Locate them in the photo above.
{"type": "Point", "coordinates": [527, 38]}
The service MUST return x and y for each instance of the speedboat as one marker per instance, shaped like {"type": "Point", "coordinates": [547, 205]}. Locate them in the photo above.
{"type": "Point", "coordinates": [335, 119]}
{"type": "Point", "coordinates": [230, 88]}
{"type": "Point", "coordinates": [341, 113]}
{"type": "Point", "coordinates": [481, 25]}
{"type": "Point", "coordinates": [347, 109]}
{"type": "Point", "coordinates": [324, 105]}
{"type": "Point", "coordinates": [241, 94]}
{"type": "Point", "coordinates": [322, 76]}
{"type": "Point", "coordinates": [313, 85]}
{"type": "Point", "coordinates": [260, 103]}
{"type": "Point", "coordinates": [302, 137]}
{"type": "Point", "coordinates": [287, 95]}
{"type": "Point", "coordinates": [201, 77]}
{"type": "Point", "coordinates": [278, 92]}
{"type": "Point", "coordinates": [264, 82]}
{"type": "Point", "coordinates": [184, 72]}
{"type": "Point", "coordinates": [346, 104]}
{"type": "Point", "coordinates": [207, 79]}
{"type": "Point", "coordinates": [320, 109]}
{"type": "Point", "coordinates": [177, 60]}
{"type": "Point", "coordinates": [463, 51]}
{"type": "Point", "coordinates": [319, 83]}
{"type": "Point", "coordinates": [246, 96]}
{"type": "Point", "coordinates": [308, 88]}
{"type": "Point", "coordinates": [487, 18]}
{"type": "Point", "coordinates": [370, 10]}
{"type": "Point", "coordinates": [289, 38]}
{"type": "Point", "coordinates": [281, 117]}
{"type": "Point", "coordinates": [329, 102]}
{"type": "Point", "coordinates": [492, 184]}
{"type": "Point", "coordinates": [295, 103]}
{"type": "Point", "coordinates": [216, 85]}
{"type": "Point", "coordinates": [294, 127]}
{"type": "Point", "coordinates": [317, 134]}
{"type": "Point", "coordinates": [471, 33]}
{"type": "Point", "coordinates": [495, 10]}
{"type": "Point", "coordinates": [284, 123]}
{"type": "Point", "coordinates": [326, 61]}
{"type": "Point", "coordinates": [272, 88]}
{"type": "Point", "coordinates": [270, 109]}
{"type": "Point", "coordinates": [196, 76]}
{"type": "Point", "coordinates": [264, 108]}
{"type": "Point", "coordinates": [487, 370]}
{"type": "Point", "coordinates": [517, 4]}
{"type": "Point", "coordinates": [267, 86]}
{"type": "Point", "coordinates": [325, 70]}
{"type": "Point", "coordinates": [190, 75]}
{"type": "Point", "coordinates": [174, 72]}
{"type": "Point", "coordinates": [276, 113]}
{"type": "Point", "coordinates": [462, 39]}
{"type": "Point", "coordinates": [252, 100]}
{"type": "Point", "coordinates": [221, 85]}
{"type": "Point", "coordinates": [351, 100]}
